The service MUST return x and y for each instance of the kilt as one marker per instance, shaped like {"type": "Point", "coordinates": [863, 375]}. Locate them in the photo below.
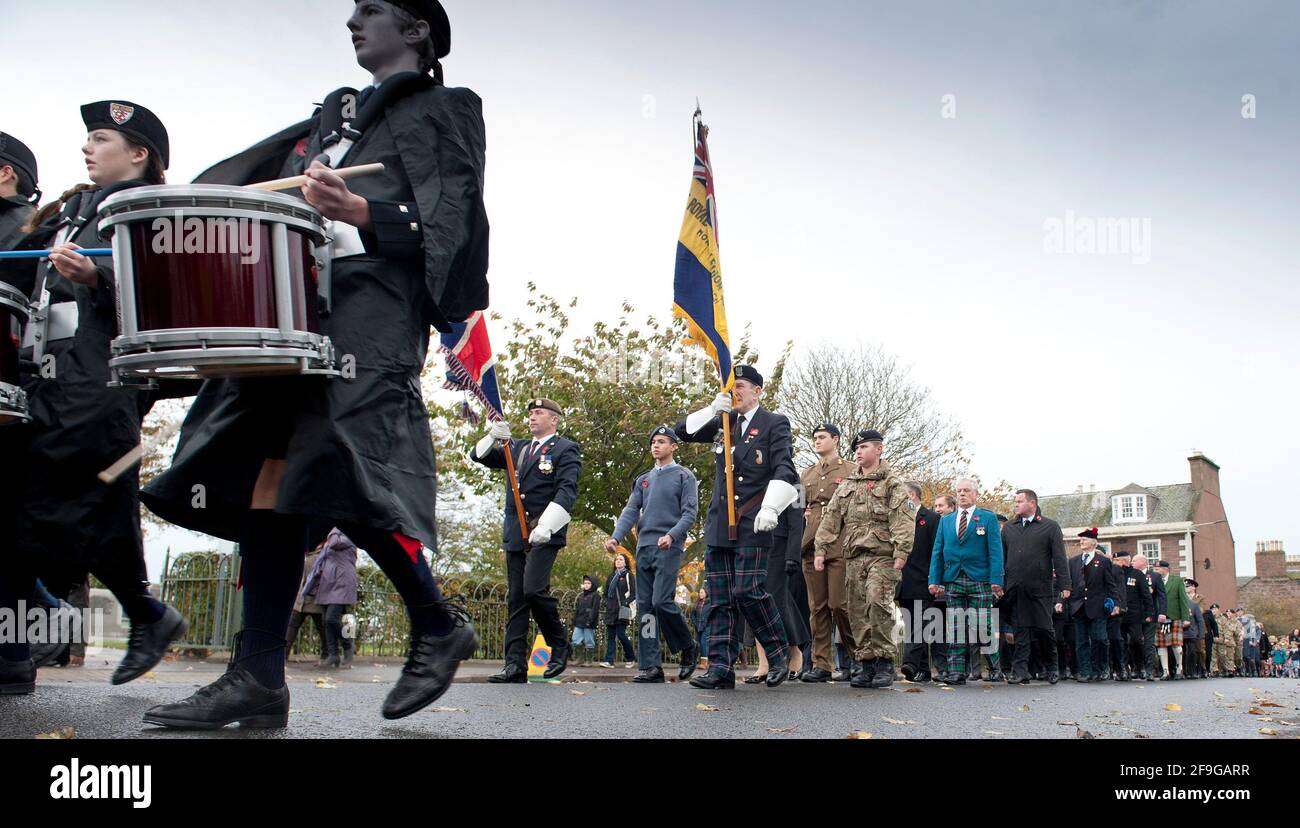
{"type": "Point", "coordinates": [1169, 635]}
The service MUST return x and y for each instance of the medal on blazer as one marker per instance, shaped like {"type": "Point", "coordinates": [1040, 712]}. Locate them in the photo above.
{"type": "Point", "coordinates": [544, 464]}
{"type": "Point", "coordinates": [979, 530]}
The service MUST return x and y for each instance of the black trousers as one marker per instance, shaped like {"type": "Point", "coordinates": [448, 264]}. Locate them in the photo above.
{"type": "Point", "coordinates": [1025, 639]}
{"type": "Point", "coordinates": [1134, 651]}
{"type": "Point", "coordinates": [295, 624]}
{"type": "Point", "coordinates": [1149, 646]}
{"type": "Point", "coordinates": [529, 593]}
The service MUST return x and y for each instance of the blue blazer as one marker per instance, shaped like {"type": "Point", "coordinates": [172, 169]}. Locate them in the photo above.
{"type": "Point", "coordinates": [978, 556]}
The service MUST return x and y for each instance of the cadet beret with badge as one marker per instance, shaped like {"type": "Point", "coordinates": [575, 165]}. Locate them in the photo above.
{"type": "Point", "coordinates": [867, 435]}
{"type": "Point", "coordinates": [749, 374]}
{"type": "Point", "coordinates": [829, 428]}
{"type": "Point", "coordinates": [665, 431]}
{"type": "Point", "coordinates": [546, 405]}
{"type": "Point", "coordinates": [133, 121]}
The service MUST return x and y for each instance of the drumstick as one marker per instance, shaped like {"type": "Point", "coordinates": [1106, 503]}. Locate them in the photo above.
{"type": "Point", "coordinates": [43, 254]}
{"type": "Point", "coordinates": [135, 455]}
{"type": "Point", "coordinates": [298, 180]}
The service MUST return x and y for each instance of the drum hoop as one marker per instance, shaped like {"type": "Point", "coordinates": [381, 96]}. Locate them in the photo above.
{"type": "Point", "coordinates": [314, 231]}
{"type": "Point", "coordinates": [21, 307]}
{"type": "Point", "coordinates": [13, 403]}
{"type": "Point", "coordinates": [183, 363]}
{"type": "Point", "coordinates": [252, 337]}
{"type": "Point", "coordinates": [221, 192]}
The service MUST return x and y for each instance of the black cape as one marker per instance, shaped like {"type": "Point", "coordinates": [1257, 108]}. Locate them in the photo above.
{"type": "Point", "coordinates": [358, 450]}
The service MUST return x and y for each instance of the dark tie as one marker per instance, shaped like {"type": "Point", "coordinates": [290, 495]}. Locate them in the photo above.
{"type": "Point", "coordinates": [961, 526]}
{"type": "Point", "coordinates": [532, 450]}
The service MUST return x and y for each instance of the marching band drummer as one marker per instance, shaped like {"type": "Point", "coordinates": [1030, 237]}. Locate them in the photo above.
{"type": "Point", "coordinates": [18, 189]}
{"type": "Point", "coordinates": [62, 520]}
{"type": "Point", "coordinates": [283, 460]}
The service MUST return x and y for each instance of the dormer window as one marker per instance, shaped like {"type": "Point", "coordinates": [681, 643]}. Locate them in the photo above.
{"type": "Point", "coordinates": [1129, 508]}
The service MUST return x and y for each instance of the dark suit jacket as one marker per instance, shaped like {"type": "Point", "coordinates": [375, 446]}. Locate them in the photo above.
{"type": "Point", "coordinates": [914, 584]}
{"type": "Point", "coordinates": [1157, 584]}
{"type": "Point", "coordinates": [538, 489]}
{"type": "Point", "coordinates": [1089, 590]}
{"type": "Point", "coordinates": [760, 456]}
{"type": "Point", "coordinates": [1138, 604]}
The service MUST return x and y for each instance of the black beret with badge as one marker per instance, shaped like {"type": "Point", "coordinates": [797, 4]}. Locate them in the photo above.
{"type": "Point", "coordinates": [546, 405]}
{"type": "Point", "coordinates": [133, 121]}
{"type": "Point", "coordinates": [829, 428]}
{"type": "Point", "coordinates": [867, 435]}
{"type": "Point", "coordinates": [749, 374]}
{"type": "Point", "coordinates": [665, 431]}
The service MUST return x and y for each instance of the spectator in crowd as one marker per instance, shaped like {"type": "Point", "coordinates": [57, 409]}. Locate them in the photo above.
{"type": "Point", "coordinates": [333, 580]}
{"type": "Point", "coordinates": [306, 607]}
{"type": "Point", "coordinates": [586, 614]}
{"type": "Point", "coordinates": [1249, 645]}
{"type": "Point", "coordinates": [620, 608]}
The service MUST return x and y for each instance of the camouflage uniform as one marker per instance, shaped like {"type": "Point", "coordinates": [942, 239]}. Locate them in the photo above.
{"type": "Point", "coordinates": [870, 510]}
{"type": "Point", "coordinates": [1233, 639]}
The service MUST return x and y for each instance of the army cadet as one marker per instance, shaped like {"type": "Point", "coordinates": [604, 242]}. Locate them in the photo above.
{"type": "Point", "coordinates": [548, 467]}
{"type": "Point", "coordinates": [662, 507]}
{"type": "Point", "coordinates": [18, 189]}
{"type": "Point", "coordinates": [827, 598]}
{"type": "Point", "coordinates": [736, 569]}
{"type": "Point", "coordinates": [870, 510]}
{"type": "Point", "coordinates": [1234, 636]}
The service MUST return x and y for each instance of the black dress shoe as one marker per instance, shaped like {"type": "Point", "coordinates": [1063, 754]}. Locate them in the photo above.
{"type": "Point", "coordinates": [431, 665]}
{"type": "Point", "coordinates": [841, 675]}
{"type": "Point", "coordinates": [921, 678]}
{"type": "Point", "coordinates": [1053, 677]}
{"type": "Point", "coordinates": [1015, 679]}
{"type": "Point", "coordinates": [235, 697]}
{"type": "Point", "coordinates": [997, 676]}
{"type": "Point", "coordinates": [147, 645]}
{"type": "Point", "coordinates": [650, 675]}
{"type": "Point", "coordinates": [816, 675]}
{"type": "Point", "coordinates": [864, 676]}
{"type": "Point", "coordinates": [910, 672]}
{"type": "Point", "coordinates": [690, 660]}
{"type": "Point", "coordinates": [559, 660]}
{"type": "Point", "coordinates": [510, 674]}
{"type": "Point", "coordinates": [761, 678]}
{"type": "Point", "coordinates": [884, 675]}
{"type": "Point", "coordinates": [17, 678]}
{"type": "Point", "coordinates": [714, 680]}
{"type": "Point", "coordinates": [778, 672]}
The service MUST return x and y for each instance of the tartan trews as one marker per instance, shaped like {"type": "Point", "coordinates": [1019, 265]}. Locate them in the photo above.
{"type": "Point", "coordinates": [967, 620]}
{"type": "Point", "coordinates": [737, 590]}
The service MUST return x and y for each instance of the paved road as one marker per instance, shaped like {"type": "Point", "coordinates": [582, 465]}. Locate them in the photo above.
{"type": "Point", "coordinates": [606, 707]}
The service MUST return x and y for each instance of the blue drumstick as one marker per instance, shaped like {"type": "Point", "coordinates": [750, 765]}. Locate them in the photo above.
{"type": "Point", "coordinates": [43, 254]}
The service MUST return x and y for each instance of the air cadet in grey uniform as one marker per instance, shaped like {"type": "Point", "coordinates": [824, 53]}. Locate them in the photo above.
{"type": "Point", "coordinates": [663, 506]}
{"type": "Point", "coordinates": [870, 509]}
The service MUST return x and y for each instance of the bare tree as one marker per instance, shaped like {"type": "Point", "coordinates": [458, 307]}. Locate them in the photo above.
{"type": "Point", "coordinates": [869, 388]}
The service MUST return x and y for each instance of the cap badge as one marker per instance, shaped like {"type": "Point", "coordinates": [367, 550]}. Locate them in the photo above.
{"type": "Point", "coordinates": [120, 113]}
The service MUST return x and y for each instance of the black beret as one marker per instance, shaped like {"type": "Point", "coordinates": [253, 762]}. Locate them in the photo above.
{"type": "Point", "coordinates": [867, 435]}
{"type": "Point", "coordinates": [549, 405]}
{"type": "Point", "coordinates": [131, 120]}
{"type": "Point", "coordinates": [1120, 553]}
{"type": "Point", "coordinates": [431, 12]}
{"type": "Point", "coordinates": [1089, 533]}
{"type": "Point", "coordinates": [1165, 564]}
{"type": "Point", "coordinates": [829, 428]}
{"type": "Point", "coordinates": [749, 374]}
{"type": "Point", "coordinates": [1191, 582]}
{"type": "Point", "coordinates": [15, 153]}
{"type": "Point", "coordinates": [664, 431]}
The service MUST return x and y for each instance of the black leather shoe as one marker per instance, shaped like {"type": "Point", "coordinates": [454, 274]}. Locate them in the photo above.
{"type": "Point", "coordinates": [761, 678]}
{"type": "Point", "coordinates": [816, 675]}
{"type": "Point", "coordinates": [651, 675]}
{"type": "Point", "coordinates": [559, 660]}
{"type": "Point", "coordinates": [235, 697]}
{"type": "Point", "coordinates": [841, 675]}
{"type": "Point", "coordinates": [690, 660]}
{"type": "Point", "coordinates": [1015, 679]}
{"type": "Point", "coordinates": [910, 671]}
{"type": "Point", "coordinates": [17, 678]}
{"type": "Point", "coordinates": [865, 675]}
{"type": "Point", "coordinates": [1053, 677]}
{"type": "Point", "coordinates": [147, 645]}
{"type": "Point", "coordinates": [430, 666]}
{"type": "Point", "coordinates": [778, 672]}
{"type": "Point", "coordinates": [952, 679]}
{"type": "Point", "coordinates": [510, 674]}
{"type": "Point", "coordinates": [921, 678]}
{"type": "Point", "coordinates": [884, 675]}
{"type": "Point", "coordinates": [997, 676]}
{"type": "Point", "coordinates": [714, 680]}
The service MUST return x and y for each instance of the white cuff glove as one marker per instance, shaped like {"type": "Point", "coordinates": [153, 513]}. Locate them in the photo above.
{"type": "Point", "coordinates": [552, 520]}
{"type": "Point", "coordinates": [500, 430]}
{"type": "Point", "coordinates": [779, 495]}
{"type": "Point", "coordinates": [721, 404]}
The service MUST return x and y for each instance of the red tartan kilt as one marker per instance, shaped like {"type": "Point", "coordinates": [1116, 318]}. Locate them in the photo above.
{"type": "Point", "coordinates": [1173, 638]}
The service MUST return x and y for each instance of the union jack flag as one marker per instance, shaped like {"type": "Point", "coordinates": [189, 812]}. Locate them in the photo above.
{"type": "Point", "coordinates": [471, 366]}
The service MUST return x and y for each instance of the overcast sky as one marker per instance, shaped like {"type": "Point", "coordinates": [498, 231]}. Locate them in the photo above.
{"type": "Point", "coordinates": [853, 206]}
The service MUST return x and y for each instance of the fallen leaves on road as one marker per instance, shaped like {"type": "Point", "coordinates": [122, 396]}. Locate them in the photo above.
{"type": "Point", "coordinates": [1268, 731]}
{"type": "Point", "coordinates": [61, 733]}
{"type": "Point", "coordinates": [706, 708]}
{"type": "Point", "coordinates": [860, 734]}
{"type": "Point", "coordinates": [1269, 704]}
{"type": "Point", "coordinates": [1080, 733]}
{"type": "Point", "coordinates": [446, 710]}
{"type": "Point", "coordinates": [1252, 690]}
{"type": "Point", "coordinates": [947, 689]}
{"type": "Point", "coordinates": [577, 692]}
{"type": "Point", "coordinates": [151, 675]}
{"type": "Point", "coordinates": [993, 733]}
{"type": "Point", "coordinates": [1069, 724]}
{"type": "Point", "coordinates": [1002, 718]}
{"type": "Point", "coordinates": [888, 720]}
{"type": "Point", "coordinates": [1173, 708]}
{"type": "Point", "coordinates": [914, 690]}
{"type": "Point", "coordinates": [1218, 694]}
{"type": "Point", "coordinates": [790, 729]}
{"type": "Point", "coordinates": [1169, 721]}
{"type": "Point", "coordinates": [1255, 711]}
{"type": "Point", "coordinates": [326, 684]}
{"type": "Point", "coordinates": [1024, 708]}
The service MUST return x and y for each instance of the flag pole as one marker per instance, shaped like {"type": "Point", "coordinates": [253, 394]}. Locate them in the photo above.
{"type": "Point", "coordinates": [514, 490]}
{"type": "Point", "coordinates": [728, 462]}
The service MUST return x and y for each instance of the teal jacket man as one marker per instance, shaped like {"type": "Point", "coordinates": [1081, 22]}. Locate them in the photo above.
{"type": "Point", "coordinates": [977, 553]}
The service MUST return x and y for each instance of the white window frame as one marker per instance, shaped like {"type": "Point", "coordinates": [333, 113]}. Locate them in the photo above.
{"type": "Point", "coordinates": [1142, 551]}
{"type": "Point", "coordinates": [1137, 504]}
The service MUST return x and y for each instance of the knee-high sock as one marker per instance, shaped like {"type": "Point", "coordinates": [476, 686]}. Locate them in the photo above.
{"type": "Point", "coordinates": [1178, 659]}
{"type": "Point", "coordinates": [272, 548]}
{"type": "Point", "coordinates": [1164, 659]}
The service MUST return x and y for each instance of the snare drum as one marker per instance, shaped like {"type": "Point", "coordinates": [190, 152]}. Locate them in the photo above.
{"type": "Point", "coordinates": [216, 281]}
{"type": "Point", "coordinates": [14, 313]}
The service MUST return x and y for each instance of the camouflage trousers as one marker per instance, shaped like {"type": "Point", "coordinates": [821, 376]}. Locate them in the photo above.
{"type": "Point", "coordinates": [1227, 653]}
{"type": "Point", "coordinates": [871, 582]}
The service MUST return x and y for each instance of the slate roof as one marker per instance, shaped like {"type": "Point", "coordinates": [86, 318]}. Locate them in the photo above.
{"type": "Point", "coordinates": [1172, 504]}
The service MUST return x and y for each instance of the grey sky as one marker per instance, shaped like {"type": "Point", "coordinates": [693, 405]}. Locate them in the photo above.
{"type": "Point", "coordinates": [850, 208]}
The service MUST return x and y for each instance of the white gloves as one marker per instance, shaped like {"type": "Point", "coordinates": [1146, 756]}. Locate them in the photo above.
{"type": "Point", "coordinates": [778, 496]}
{"type": "Point", "coordinates": [500, 430]}
{"type": "Point", "coordinates": [552, 520]}
{"type": "Point", "coordinates": [721, 404]}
